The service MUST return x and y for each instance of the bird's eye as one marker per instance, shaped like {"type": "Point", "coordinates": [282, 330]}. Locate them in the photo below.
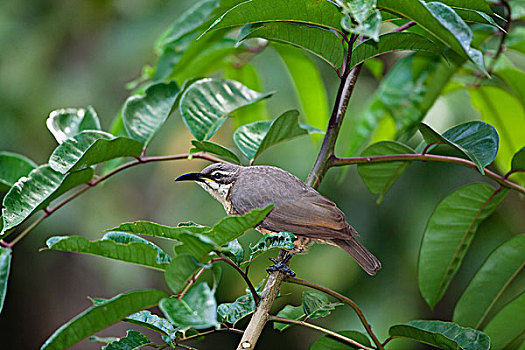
{"type": "Point", "coordinates": [217, 175]}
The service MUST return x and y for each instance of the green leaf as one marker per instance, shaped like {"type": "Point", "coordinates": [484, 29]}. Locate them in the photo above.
{"type": "Point", "coordinates": [143, 115]}
{"type": "Point", "coordinates": [328, 342]}
{"type": "Point", "coordinates": [318, 13]}
{"type": "Point", "coordinates": [448, 235]}
{"type": "Point", "coordinates": [12, 167]}
{"type": "Point", "coordinates": [379, 177]}
{"type": "Point", "coordinates": [234, 250]}
{"type": "Point", "coordinates": [199, 240]}
{"type": "Point", "coordinates": [516, 40]}
{"type": "Point", "coordinates": [34, 192]}
{"type": "Point", "coordinates": [133, 340]}
{"type": "Point", "coordinates": [252, 139]}
{"type": "Point", "coordinates": [317, 305]}
{"type": "Point", "coordinates": [441, 21]}
{"type": "Point", "coordinates": [91, 147]}
{"type": "Point", "coordinates": [325, 44]}
{"type": "Point", "coordinates": [477, 140]}
{"type": "Point", "coordinates": [5, 265]}
{"type": "Point", "coordinates": [186, 23]}
{"type": "Point", "coordinates": [214, 148]}
{"type": "Point", "coordinates": [503, 111]}
{"type": "Point", "coordinates": [68, 122]}
{"type": "Point", "coordinates": [151, 321]}
{"type": "Point", "coordinates": [518, 161]}
{"type": "Point", "coordinates": [206, 104]}
{"type": "Point", "coordinates": [491, 280]}
{"type": "Point", "coordinates": [309, 86]}
{"type": "Point", "coordinates": [104, 340]}
{"type": "Point", "coordinates": [289, 311]}
{"type": "Point", "coordinates": [240, 308]}
{"type": "Point", "coordinates": [361, 17]}
{"type": "Point", "coordinates": [392, 42]}
{"type": "Point", "coordinates": [179, 271]}
{"type": "Point", "coordinates": [442, 335]}
{"type": "Point", "coordinates": [249, 77]}
{"type": "Point", "coordinates": [281, 240]}
{"type": "Point", "coordinates": [197, 309]}
{"type": "Point", "coordinates": [114, 245]}
{"type": "Point", "coordinates": [475, 5]}
{"type": "Point", "coordinates": [508, 324]}
{"type": "Point", "coordinates": [101, 316]}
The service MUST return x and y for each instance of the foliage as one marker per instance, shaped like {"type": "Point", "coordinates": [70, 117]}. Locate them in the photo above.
{"type": "Point", "coordinates": [192, 78]}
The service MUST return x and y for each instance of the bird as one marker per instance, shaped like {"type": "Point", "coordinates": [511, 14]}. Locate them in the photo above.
{"type": "Point", "coordinates": [298, 208]}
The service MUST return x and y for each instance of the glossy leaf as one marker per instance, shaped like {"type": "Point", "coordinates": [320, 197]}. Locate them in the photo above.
{"type": "Point", "coordinates": [319, 13]}
{"type": "Point", "coordinates": [114, 245]}
{"type": "Point", "coordinates": [309, 86]}
{"type": "Point", "coordinates": [68, 122]}
{"type": "Point", "coordinates": [281, 240]}
{"type": "Point", "coordinates": [5, 266]}
{"type": "Point", "coordinates": [439, 20]}
{"type": "Point", "coordinates": [491, 280]}
{"type": "Point", "coordinates": [248, 75]}
{"type": "Point", "coordinates": [503, 111]}
{"type": "Point", "coordinates": [132, 340]}
{"type": "Point", "coordinates": [12, 167]}
{"type": "Point", "coordinates": [186, 23]}
{"type": "Point", "coordinates": [143, 115]}
{"type": "Point", "coordinates": [508, 324]}
{"type": "Point", "coordinates": [199, 240]}
{"type": "Point", "coordinates": [252, 139]}
{"type": "Point", "coordinates": [379, 177]}
{"type": "Point", "coordinates": [197, 309]}
{"type": "Point", "coordinates": [317, 305]}
{"type": "Point", "coordinates": [475, 5]}
{"type": "Point", "coordinates": [91, 147]}
{"type": "Point", "coordinates": [291, 312]}
{"type": "Point", "coordinates": [448, 235]}
{"type": "Point", "coordinates": [179, 271]}
{"type": "Point", "coordinates": [101, 316]}
{"type": "Point", "coordinates": [361, 17]}
{"type": "Point", "coordinates": [151, 321]}
{"type": "Point", "coordinates": [214, 148]}
{"type": "Point", "coordinates": [240, 308]}
{"type": "Point", "coordinates": [325, 44]}
{"type": "Point", "coordinates": [476, 140]}
{"type": "Point", "coordinates": [518, 161]}
{"type": "Point", "coordinates": [34, 192]}
{"type": "Point", "coordinates": [206, 104]}
{"type": "Point", "coordinates": [234, 250]}
{"type": "Point", "coordinates": [392, 42]}
{"type": "Point", "coordinates": [328, 342]}
{"type": "Point", "coordinates": [442, 335]}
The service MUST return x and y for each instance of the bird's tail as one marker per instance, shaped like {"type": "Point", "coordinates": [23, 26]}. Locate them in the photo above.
{"type": "Point", "coordinates": [364, 258]}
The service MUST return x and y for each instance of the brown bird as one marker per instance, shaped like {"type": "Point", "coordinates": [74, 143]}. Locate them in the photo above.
{"type": "Point", "coordinates": [298, 208]}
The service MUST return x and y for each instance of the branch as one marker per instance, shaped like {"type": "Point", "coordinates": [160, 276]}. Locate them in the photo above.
{"type": "Point", "coordinates": [320, 329]}
{"type": "Point", "coordinates": [321, 166]}
{"type": "Point", "coordinates": [502, 180]}
{"type": "Point", "coordinates": [243, 275]}
{"type": "Point", "coordinates": [140, 160]}
{"type": "Point", "coordinates": [345, 300]}
{"type": "Point", "coordinates": [404, 27]}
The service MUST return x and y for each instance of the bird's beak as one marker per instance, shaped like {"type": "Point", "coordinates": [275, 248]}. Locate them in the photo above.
{"type": "Point", "coordinates": [190, 177]}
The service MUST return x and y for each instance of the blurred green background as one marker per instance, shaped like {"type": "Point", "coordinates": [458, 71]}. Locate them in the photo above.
{"type": "Point", "coordinates": [57, 54]}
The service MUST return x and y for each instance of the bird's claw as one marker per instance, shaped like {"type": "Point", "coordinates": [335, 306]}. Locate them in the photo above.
{"type": "Point", "coordinates": [281, 266]}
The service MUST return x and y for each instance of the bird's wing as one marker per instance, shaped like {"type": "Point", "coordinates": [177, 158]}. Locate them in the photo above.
{"type": "Point", "coordinates": [311, 215]}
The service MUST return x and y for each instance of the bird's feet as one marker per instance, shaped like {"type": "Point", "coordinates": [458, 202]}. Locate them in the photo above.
{"type": "Point", "coordinates": [281, 266]}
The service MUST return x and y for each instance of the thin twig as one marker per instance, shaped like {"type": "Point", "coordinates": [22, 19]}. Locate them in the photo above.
{"type": "Point", "coordinates": [233, 330]}
{"type": "Point", "coordinates": [320, 329]}
{"type": "Point", "coordinates": [426, 157]}
{"type": "Point", "coordinates": [140, 160]}
{"type": "Point", "coordinates": [404, 27]}
{"type": "Point", "coordinates": [345, 300]}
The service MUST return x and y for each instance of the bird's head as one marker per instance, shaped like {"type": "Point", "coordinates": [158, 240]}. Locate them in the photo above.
{"type": "Point", "coordinates": [216, 179]}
